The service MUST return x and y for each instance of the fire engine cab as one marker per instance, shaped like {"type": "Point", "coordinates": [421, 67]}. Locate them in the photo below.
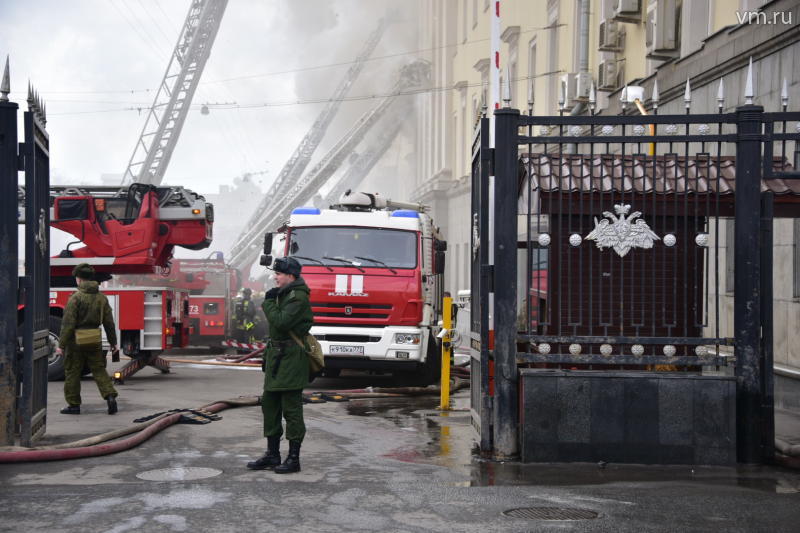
{"type": "Point", "coordinates": [375, 269]}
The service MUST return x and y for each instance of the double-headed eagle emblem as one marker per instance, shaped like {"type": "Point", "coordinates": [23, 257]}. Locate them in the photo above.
{"type": "Point", "coordinates": [621, 233]}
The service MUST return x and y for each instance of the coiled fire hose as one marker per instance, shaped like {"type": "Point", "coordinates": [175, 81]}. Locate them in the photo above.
{"type": "Point", "coordinates": [94, 447]}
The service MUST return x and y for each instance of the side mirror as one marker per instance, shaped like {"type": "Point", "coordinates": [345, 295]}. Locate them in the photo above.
{"type": "Point", "coordinates": [440, 246]}
{"type": "Point", "coordinates": [267, 243]}
{"type": "Point", "coordinates": [266, 260]}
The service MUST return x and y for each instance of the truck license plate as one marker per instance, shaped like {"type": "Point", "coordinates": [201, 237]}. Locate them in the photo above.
{"type": "Point", "coordinates": [346, 350]}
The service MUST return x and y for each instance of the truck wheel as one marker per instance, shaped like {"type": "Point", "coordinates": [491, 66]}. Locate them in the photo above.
{"type": "Point", "coordinates": [332, 372]}
{"type": "Point", "coordinates": [431, 371]}
{"type": "Point", "coordinates": [55, 363]}
{"type": "Point", "coordinates": [428, 373]}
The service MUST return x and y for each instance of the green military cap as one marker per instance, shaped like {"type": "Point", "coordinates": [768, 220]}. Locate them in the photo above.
{"type": "Point", "coordinates": [83, 271]}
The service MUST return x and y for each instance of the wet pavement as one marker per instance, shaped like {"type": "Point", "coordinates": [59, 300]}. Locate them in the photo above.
{"type": "Point", "coordinates": [388, 464]}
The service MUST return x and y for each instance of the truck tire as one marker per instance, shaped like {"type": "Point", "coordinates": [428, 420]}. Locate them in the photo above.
{"type": "Point", "coordinates": [332, 372]}
{"type": "Point", "coordinates": [428, 373]}
{"type": "Point", "coordinates": [55, 363]}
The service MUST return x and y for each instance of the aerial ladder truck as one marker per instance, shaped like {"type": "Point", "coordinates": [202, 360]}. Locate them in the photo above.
{"type": "Point", "coordinates": [125, 231]}
{"type": "Point", "coordinates": [134, 228]}
{"type": "Point", "coordinates": [375, 267]}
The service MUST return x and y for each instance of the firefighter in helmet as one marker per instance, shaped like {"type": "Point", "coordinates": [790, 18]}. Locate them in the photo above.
{"type": "Point", "coordinates": [245, 317]}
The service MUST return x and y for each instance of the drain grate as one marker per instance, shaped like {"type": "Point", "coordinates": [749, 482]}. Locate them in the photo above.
{"type": "Point", "coordinates": [551, 513]}
{"type": "Point", "coordinates": [188, 473]}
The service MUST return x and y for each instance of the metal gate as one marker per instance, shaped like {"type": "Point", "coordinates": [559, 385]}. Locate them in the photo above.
{"type": "Point", "coordinates": [609, 245]}
{"type": "Point", "coordinates": [481, 401]}
{"type": "Point", "coordinates": [24, 335]}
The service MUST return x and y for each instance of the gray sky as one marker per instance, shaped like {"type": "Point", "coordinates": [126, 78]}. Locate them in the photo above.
{"type": "Point", "coordinates": [92, 59]}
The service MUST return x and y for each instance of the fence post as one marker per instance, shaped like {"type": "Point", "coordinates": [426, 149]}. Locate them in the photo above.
{"type": "Point", "coordinates": [767, 332]}
{"type": "Point", "coordinates": [747, 275]}
{"type": "Point", "coordinates": [8, 269]}
{"type": "Point", "coordinates": [506, 405]}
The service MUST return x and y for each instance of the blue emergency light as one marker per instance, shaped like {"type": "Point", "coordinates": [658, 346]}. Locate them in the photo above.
{"type": "Point", "coordinates": [405, 213]}
{"type": "Point", "coordinates": [306, 211]}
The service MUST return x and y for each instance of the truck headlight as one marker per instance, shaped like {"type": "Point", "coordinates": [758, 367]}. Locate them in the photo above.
{"type": "Point", "coordinates": [406, 338]}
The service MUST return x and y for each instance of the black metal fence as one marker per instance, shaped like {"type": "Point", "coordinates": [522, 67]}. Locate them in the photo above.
{"type": "Point", "coordinates": [609, 252]}
{"type": "Point", "coordinates": [24, 313]}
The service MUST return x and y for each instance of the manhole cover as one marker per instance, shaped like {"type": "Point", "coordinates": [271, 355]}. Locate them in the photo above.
{"type": "Point", "coordinates": [551, 513]}
{"type": "Point", "coordinates": [179, 473]}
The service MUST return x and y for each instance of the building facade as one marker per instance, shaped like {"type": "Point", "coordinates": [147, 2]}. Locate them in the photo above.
{"type": "Point", "coordinates": [553, 50]}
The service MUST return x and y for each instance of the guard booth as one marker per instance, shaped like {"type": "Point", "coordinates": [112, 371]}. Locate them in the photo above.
{"type": "Point", "coordinates": [600, 331]}
{"type": "Point", "coordinates": [25, 343]}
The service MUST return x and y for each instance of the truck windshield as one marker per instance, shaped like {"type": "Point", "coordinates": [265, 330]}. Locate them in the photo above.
{"type": "Point", "coordinates": [393, 248]}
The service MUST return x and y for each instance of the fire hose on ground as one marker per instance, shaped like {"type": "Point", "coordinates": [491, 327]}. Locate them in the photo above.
{"type": "Point", "coordinates": [94, 446]}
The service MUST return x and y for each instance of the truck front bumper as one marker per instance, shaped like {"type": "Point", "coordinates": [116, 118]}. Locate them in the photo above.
{"type": "Point", "coordinates": [370, 348]}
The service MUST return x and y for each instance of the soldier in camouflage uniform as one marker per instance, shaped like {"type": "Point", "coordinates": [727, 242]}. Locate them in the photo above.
{"type": "Point", "coordinates": [83, 311]}
{"type": "Point", "coordinates": [286, 370]}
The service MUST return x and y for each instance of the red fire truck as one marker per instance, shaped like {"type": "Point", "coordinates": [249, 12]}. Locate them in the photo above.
{"type": "Point", "coordinates": [375, 269]}
{"type": "Point", "coordinates": [212, 288]}
{"type": "Point", "coordinates": [128, 231]}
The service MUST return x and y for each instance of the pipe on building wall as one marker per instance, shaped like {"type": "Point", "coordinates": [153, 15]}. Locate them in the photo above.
{"type": "Point", "coordinates": [583, 53]}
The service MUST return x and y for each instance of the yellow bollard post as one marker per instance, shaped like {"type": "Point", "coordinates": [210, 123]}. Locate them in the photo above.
{"type": "Point", "coordinates": [447, 323]}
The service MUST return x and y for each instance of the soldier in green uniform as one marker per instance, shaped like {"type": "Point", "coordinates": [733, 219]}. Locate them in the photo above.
{"type": "Point", "coordinates": [86, 309]}
{"type": "Point", "coordinates": [288, 310]}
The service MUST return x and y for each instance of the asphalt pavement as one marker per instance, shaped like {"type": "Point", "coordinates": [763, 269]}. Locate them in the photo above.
{"type": "Point", "coordinates": [388, 464]}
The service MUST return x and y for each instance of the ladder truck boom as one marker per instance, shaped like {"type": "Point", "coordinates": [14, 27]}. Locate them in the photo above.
{"type": "Point", "coordinates": [278, 210]}
{"type": "Point", "coordinates": [126, 230]}
{"type": "Point", "coordinates": [301, 157]}
{"type": "Point", "coordinates": [366, 159]}
{"type": "Point", "coordinates": [167, 115]}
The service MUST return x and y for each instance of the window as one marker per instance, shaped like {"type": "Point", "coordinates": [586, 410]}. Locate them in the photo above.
{"type": "Point", "coordinates": [693, 30]}
{"type": "Point", "coordinates": [211, 308]}
{"type": "Point", "coordinates": [466, 264]}
{"type": "Point", "coordinates": [457, 148]}
{"type": "Point", "coordinates": [355, 246]}
{"type": "Point", "coordinates": [552, 47]}
{"type": "Point", "coordinates": [464, 20]}
{"type": "Point", "coordinates": [531, 68]}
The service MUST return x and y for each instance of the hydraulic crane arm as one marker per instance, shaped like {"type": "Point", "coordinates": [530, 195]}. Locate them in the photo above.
{"type": "Point", "coordinates": [166, 117]}
{"type": "Point", "coordinates": [299, 160]}
{"type": "Point", "coordinates": [363, 164]}
{"type": "Point", "coordinates": [278, 210]}
{"type": "Point", "coordinates": [126, 230]}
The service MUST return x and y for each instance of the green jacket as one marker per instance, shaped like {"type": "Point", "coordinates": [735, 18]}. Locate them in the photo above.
{"type": "Point", "coordinates": [290, 311]}
{"type": "Point", "coordinates": [83, 311]}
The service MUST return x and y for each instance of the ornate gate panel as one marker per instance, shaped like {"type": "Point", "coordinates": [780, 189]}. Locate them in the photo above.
{"type": "Point", "coordinates": [623, 260]}
{"type": "Point", "coordinates": [481, 404]}
{"type": "Point", "coordinates": [36, 283]}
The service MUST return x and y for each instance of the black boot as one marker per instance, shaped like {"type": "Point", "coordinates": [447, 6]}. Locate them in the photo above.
{"type": "Point", "coordinates": [71, 410]}
{"type": "Point", "coordinates": [271, 458]}
{"type": "Point", "coordinates": [112, 404]}
{"type": "Point", "coordinates": [292, 462]}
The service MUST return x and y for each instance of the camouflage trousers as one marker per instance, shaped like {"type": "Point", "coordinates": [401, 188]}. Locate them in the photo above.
{"type": "Point", "coordinates": [73, 369]}
{"type": "Point", "coordinates": [283, 404]}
